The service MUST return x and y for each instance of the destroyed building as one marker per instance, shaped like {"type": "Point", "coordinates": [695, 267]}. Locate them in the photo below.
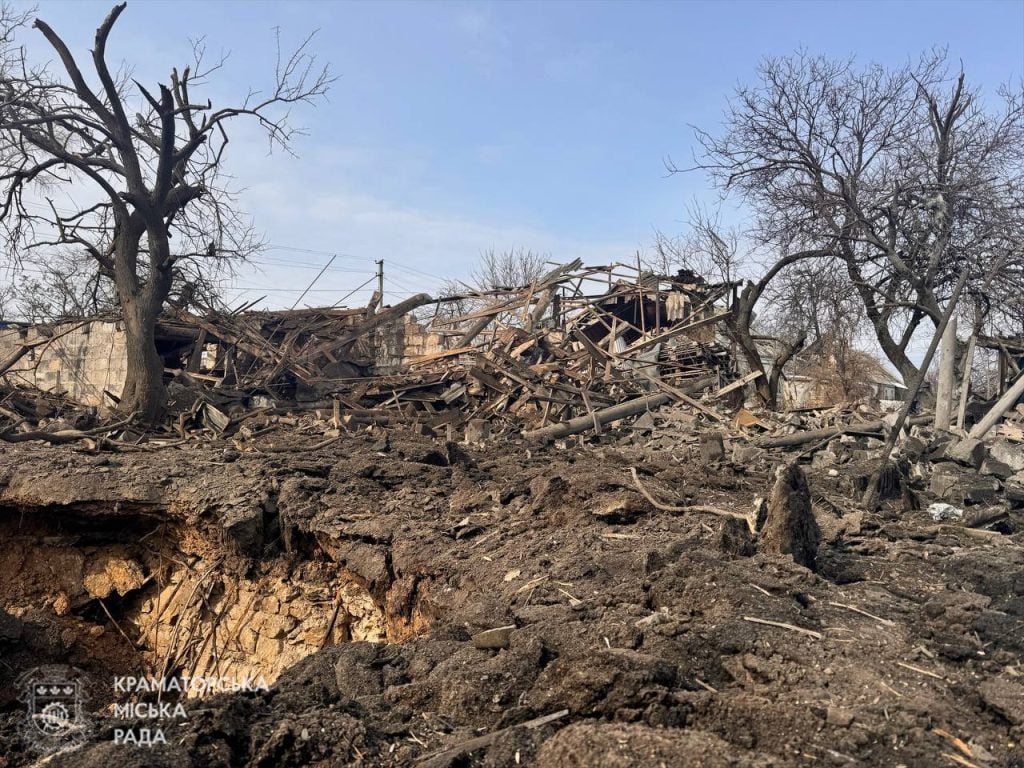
{"type": "Point", "coordinates": [86, 360]}
{"type": "Point", "coordinates": [576, 342]}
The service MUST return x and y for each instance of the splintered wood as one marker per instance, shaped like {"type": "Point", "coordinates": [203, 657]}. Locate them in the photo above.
{"type": "Point", "coordinates": [575, 349]}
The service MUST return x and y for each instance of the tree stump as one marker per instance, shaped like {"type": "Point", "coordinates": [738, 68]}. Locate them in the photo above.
{"type": "Point", "coordinates": [790, 527]}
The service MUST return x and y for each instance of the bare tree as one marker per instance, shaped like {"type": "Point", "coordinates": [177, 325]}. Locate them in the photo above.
{"type": "Point", "coordinates": [814, 302]}
{"type": "Point", "coordinates": [496, 271]}
{"type": "Point", "coordinates": [707, 248]}
{"type": "Point", "coordinates": [510, 269]}
{"type": "Point", "coordinates": [65, 285]}
{"type": "Point", "coordinates": [714, 252]}
{"type": "Point", "coordinates": [147, 167]}
{"type": "Point", "coordinates": [902, 175]}
{"type": "Point", "coordinates": [8, 295]}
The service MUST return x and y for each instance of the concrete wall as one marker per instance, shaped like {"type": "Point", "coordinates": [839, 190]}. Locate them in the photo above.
{"type": "Point", "coordinates": [81, 363]}
{"type": "Point", "coordinates": [92, 358]}
{"type": "Point", "coordinates": [418, 341]}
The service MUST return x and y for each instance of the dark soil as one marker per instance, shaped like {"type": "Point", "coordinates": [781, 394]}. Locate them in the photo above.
{"type": "Point", "coordinates": [903, 648]}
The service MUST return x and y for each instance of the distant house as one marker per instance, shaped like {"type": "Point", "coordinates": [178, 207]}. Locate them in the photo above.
{"type": "Point", "coordinates": [814, 379]}
{"type": "Point", "coordinates": [890, 390]}
{"type": "Point", "coordinates": [810, 391]}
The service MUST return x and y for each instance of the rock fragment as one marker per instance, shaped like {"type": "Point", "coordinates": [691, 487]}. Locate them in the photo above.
{"type": "Point", "coordinates": [493, 639]}
{"type": "Point", "coordinates": [712, 448]}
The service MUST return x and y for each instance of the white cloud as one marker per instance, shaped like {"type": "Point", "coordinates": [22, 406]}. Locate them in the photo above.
{"type": "Point", "coordinates": [421, 246]}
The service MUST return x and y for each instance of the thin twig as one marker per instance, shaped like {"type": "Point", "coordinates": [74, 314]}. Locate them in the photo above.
{"type": "Point", "coordinates": [704, 685]}
{"type": "Point", "coordinates": [445, 757]}
{"type": "Point", "coordinates": [338, 602]}
{"type": "Point", "coordinates": [879, 619]}
{"type": "Point", "coordinates": [912, 668]}
{"type": "Point", "coordinates": [304, 449]}
{"type": "Point", "coordinates": [118, 626]}
{"type": "Point", "coordinates": [783, 625]}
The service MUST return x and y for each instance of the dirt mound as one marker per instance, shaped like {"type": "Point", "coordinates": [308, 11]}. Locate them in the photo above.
{"type": "Point", "coordinates": [628, 635]}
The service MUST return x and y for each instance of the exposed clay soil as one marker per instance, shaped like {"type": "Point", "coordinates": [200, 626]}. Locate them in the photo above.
{"type": "Point", "coordinates": [634, 620]}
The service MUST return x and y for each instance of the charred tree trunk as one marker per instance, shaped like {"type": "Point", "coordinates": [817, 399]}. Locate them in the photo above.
{"type": "Point", "coordinates": [752, 356]}
{"type": "Point", "coordinates": [151, 158]}
{"type": "Point", "coordinates": [784, 357]}
{"type": "Point", "coordinates": [143, 391]}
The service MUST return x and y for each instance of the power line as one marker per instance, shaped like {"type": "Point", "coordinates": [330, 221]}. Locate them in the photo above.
{"type": "Point", "coordinates": [310, 286]}
{"type": "Point", "coordinates": [399, 284]}
{"type": "Point", "coordinates": [313, 251]}
{"type": "Point", "coordinates": [356, 290]}
{"type": "Point", "coordinates": [391, 261]}
{"type": "Point", "coordinates": [301, 265]}
{"type": "Point", "coordinates": [285, 290]}
{"type": "Point", "coordinates": [415, 271]}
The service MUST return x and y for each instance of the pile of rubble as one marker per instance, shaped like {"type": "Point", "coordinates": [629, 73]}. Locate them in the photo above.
{"type": "Point", "coordinates": [576, 349]}
{"type": "Point", "coordinates": [571, 536]}
{"type": "Point", "coordinates": [539, 605]}
{"type": "Point", "coordinates": [982, 480]}
{"type": "Point", "coordinates": [526, 358]}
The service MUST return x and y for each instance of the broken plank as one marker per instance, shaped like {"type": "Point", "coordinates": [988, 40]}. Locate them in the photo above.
{"type": "Point", "coordinates": [753, 375]}
{"type": "Point", "coordinates": [428, 358]}
{"type": "Point", "coordinates": [682, 396]}
{"type": "Point", "coordinates": [679, 329]}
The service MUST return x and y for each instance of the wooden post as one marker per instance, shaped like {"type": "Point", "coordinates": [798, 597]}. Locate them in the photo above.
{"type": "Point", "coordinates": [543, 301]}
{"type": "Point", "coordinates": [196, 358]}
{"type": "Point", "coordinates": [640, 293]}
{"type": "Point", "coordinates": [818, 435]}
{"type": "Point", "coordinates": [612, 413]}
{"type": "Point", "coordinates": [473, 331]}
{"type": "Point", "coordinates": [965, 383]}
{"type": "Point", "coordinates": [947, 368]}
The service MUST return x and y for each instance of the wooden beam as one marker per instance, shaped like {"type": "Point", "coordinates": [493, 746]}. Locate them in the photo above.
{"type": "Point", "coordinates": [679, 329]}
{"type": "Point", "coordinates": [606, 415]}
{"type": "Point", "coordinates": [1005, 403]}
{"type": "Point", "coordinates": [947, 371]}
{"type": "Point", "coordinates": [965, 383]}
{"type": "Point", "coordinates": [753, 375]}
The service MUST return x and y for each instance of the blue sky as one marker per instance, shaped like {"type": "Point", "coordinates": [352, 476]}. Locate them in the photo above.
{"type": "Point", "coordinates": [456, 127]}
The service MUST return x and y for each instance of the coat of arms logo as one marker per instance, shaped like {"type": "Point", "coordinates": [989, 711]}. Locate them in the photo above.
{"type": "Point", "coordinates": [53, 697]}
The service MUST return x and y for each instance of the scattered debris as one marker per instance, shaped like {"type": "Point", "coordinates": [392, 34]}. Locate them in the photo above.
{"type": "Point", "coordinates": [940, 512]}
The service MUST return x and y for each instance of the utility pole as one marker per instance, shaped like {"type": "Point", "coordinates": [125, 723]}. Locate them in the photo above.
{"type": "Point", "coordinates": [380, 280]}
